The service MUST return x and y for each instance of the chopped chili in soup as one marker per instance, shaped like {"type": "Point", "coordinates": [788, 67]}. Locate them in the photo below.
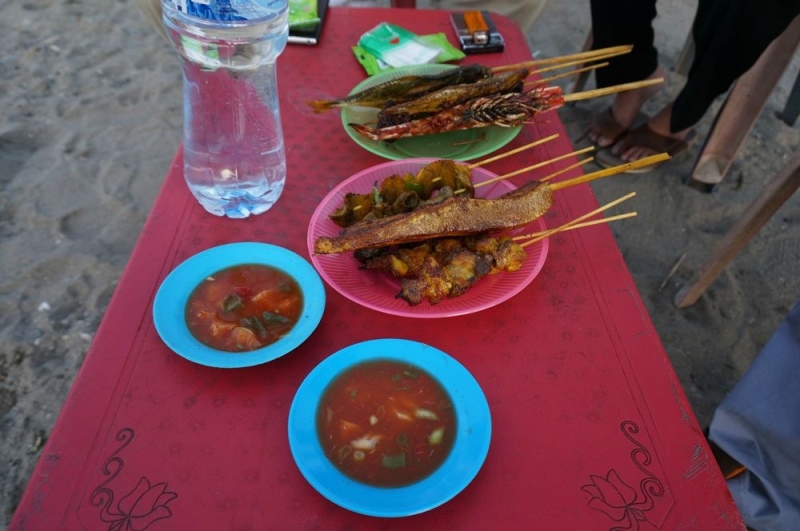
{"type": "Point", "coordinates": [386, 423]}
{"type": "Point", "coordinates": [244, 307]}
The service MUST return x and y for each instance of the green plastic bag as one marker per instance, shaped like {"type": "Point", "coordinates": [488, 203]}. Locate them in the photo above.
{"type": "Point", "coordinates": [397, 46]}
{"type": "Point", "coordinates": [302, 14]}
{"type": "Point", "coordinates": [373, 65]}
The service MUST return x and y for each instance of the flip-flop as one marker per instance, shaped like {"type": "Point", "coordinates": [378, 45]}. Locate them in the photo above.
{"type": "Point", "coordinates": [605, 124]}
{"type": "Point", "coordinates": [643, 136]}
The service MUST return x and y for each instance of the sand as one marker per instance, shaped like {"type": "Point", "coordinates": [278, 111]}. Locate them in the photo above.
{"type": "Point", "coordinates": [91, 118]}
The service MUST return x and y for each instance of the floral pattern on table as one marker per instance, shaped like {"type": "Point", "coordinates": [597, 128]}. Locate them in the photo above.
{"type": "Point", "coordinates": [626, 502]}
{"type": "Point", "coordinates": [139, 506]}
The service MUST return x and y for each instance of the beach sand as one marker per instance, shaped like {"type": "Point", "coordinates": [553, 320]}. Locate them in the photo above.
{"type": "Point", "coordinates": [91, 118]}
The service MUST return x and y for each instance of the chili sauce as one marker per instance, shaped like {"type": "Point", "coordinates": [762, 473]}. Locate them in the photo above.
{"type": "Point", "coordinates": [244, 308]}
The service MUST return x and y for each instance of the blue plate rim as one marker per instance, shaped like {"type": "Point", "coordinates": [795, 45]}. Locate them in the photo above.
{"type": "Point", "coordinates": [474, 429]}
{"type": "Point", "coordinates": [173, 294]}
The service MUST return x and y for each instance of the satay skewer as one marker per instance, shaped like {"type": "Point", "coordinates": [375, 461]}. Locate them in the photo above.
{"type": "Point", "coordinates": [575, 221]}
{"type": "Point", "coordinates": [568, 227]}
{"type": "Point", "coordinates": [585, 56]}
{"type": "Point", "coordinates": [622, 168]}
{"type": "Point", "coordinates": [596, 93]}
{"type": "Point", "coordinates": [534, 166]}
{"type": "Point", "coordinates": [566, 169]}
{"type": "Point", "coordinates": [545, 80]}
{"type": "Point", "coordinates": [572, 63]}
{"type": "Point", "coordinates": [513, 151]}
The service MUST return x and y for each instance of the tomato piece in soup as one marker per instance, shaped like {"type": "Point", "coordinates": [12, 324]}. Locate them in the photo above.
{"type": "Point", "coordinates": [244, 307]}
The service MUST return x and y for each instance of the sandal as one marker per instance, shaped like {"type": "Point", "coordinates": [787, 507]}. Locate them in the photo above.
{"type": "Point", "coordinates": [606, 124]}
{"type": "Point", "coordinates": [643, 136]}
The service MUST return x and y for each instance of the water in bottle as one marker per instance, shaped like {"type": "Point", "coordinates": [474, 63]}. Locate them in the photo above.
{"type": "Point", "coordinates": [234, 159]}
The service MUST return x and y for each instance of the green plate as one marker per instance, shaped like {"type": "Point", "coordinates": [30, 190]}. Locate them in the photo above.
{"type": "Point", "coordinates": [457, 145]}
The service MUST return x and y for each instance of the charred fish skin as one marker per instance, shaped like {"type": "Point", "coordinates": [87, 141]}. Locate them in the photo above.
{"type": "Point", "coordinates": [504, 110]}
{"type": "Point", "coordinates": [503, 83]}
{"type": "Point", "coordinates": [454, 216]}
{"type": "Point", "coordinates": [405, 88]}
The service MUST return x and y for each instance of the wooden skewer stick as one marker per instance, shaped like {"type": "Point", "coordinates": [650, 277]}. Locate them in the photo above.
{"type": "Point", "coordinates": [579, 219]}
{"type": "Point", "coordinates": [513, 151]}
{"type": "Point", "coordinates": [574, 63]}
{"type": "Point", "coordinates": [565, 170]}
{"type": "Point", "coordinates": [537, 165]}
{"type": "Point", "coordinates": [586, 56]}
{"type": "Point", "coordinates": [566, 74]}
{"type": "Point", "coordinates": [596, 93]}
{"type": "Point", "coordinates": [652, 159]}
{"type": "Point", "coordinates": [565, 228]}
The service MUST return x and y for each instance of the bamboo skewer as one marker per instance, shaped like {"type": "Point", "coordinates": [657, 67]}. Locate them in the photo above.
{"type": "Point", "coordinates": [652, 159]}
{"type": "Point", "coordinates": [577, 220]}
{"type": "Point", "coordinates": [565, 227]}
{"type": "Point", "coordinates": [596, 93]}
{"type": "Point", "coordinates": [565, 170]}
{"type": "Point", "coordinates": [513, 151]}
{"type": "Point", "coordinates": [574, 63]}
{"type": "Point", "coordinates": [586, 56]}
{"type": "Point", "coordinates": [567, 74]}
{"type": "Point", "coordinates": [535, 166]}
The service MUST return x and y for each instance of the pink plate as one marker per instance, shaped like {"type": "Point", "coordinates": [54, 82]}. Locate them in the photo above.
{"type": "Point", "coordinates": [377, 290]}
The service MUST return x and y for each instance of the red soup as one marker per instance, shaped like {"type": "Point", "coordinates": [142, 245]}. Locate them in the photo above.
{"type": "Point", "coordinates": [244, 308]}
{"type": "Point", "coordinates": [386, 423]}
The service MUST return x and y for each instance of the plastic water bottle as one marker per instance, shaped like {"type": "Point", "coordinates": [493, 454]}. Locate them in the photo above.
{"type": "Point", "coordinates": [234, 159]}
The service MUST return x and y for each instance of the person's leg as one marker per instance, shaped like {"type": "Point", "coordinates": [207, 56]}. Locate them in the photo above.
{"type": "Point", "coordinates": [758, 425]}
{"type": "Point", "coordinates": [729, 35]}
{"type": "Point", "coordinates": [618, 22]}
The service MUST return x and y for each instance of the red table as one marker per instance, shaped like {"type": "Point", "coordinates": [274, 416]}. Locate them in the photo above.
{"type": "Point", "coordinates": [591, 429]}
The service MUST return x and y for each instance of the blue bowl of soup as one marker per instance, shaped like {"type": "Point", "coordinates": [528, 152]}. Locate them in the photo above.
{"type": "Point", "coordinates": [239, 305]}
{"type": "Point", "coordinates": [399, 428]}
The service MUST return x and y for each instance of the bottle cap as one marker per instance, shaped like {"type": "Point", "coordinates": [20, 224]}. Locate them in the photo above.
{"type": "Point", "coordinates": [230, 10]}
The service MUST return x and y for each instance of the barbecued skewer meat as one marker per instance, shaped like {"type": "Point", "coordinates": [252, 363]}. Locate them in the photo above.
{"type": "Point", "coordinates": [448, 267]}
{"type": "Point", "coordinates": [403, 193]}
{"type": "Point", "coordinates": [454, 216]}
{"type": "Point", "coordinates": [504, 110]}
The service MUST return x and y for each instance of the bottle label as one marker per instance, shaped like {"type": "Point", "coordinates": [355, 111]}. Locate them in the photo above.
{"type": "Point", "coordinates": [230, 10]}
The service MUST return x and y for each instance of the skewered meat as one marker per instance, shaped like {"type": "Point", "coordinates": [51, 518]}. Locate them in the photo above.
{"type": "Point", "coordinates": [405, 88]}
{"type": "Point", "coordinates": [433, 102]}
{"type": "Point", "coordinates": [504, 110]}
{"type": "Point", "coordinates": [446, 268]}
{"type": "Point", "coordinates": [403, 193]}
{"type": "Point", "coordinates": [455, 216]}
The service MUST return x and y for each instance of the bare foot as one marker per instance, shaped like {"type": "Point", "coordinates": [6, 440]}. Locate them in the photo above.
{"type": "Point", "coordinates": [626, 108]}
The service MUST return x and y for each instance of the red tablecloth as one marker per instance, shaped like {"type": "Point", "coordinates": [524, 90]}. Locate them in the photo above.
{"type": "Point", "coordinates": [591, 429]}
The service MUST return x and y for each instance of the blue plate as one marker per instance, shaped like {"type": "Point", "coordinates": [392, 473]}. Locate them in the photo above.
{"type": "Point", "coordinates": [473, 422]}
{"type": "Point", "coordinates": [170, 302]}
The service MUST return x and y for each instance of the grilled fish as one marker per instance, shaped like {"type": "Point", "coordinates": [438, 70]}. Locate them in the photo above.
{"type": "Point", "coordinates": [455, 216]}
{"type": "Point", "coordinates": [406, 88]}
